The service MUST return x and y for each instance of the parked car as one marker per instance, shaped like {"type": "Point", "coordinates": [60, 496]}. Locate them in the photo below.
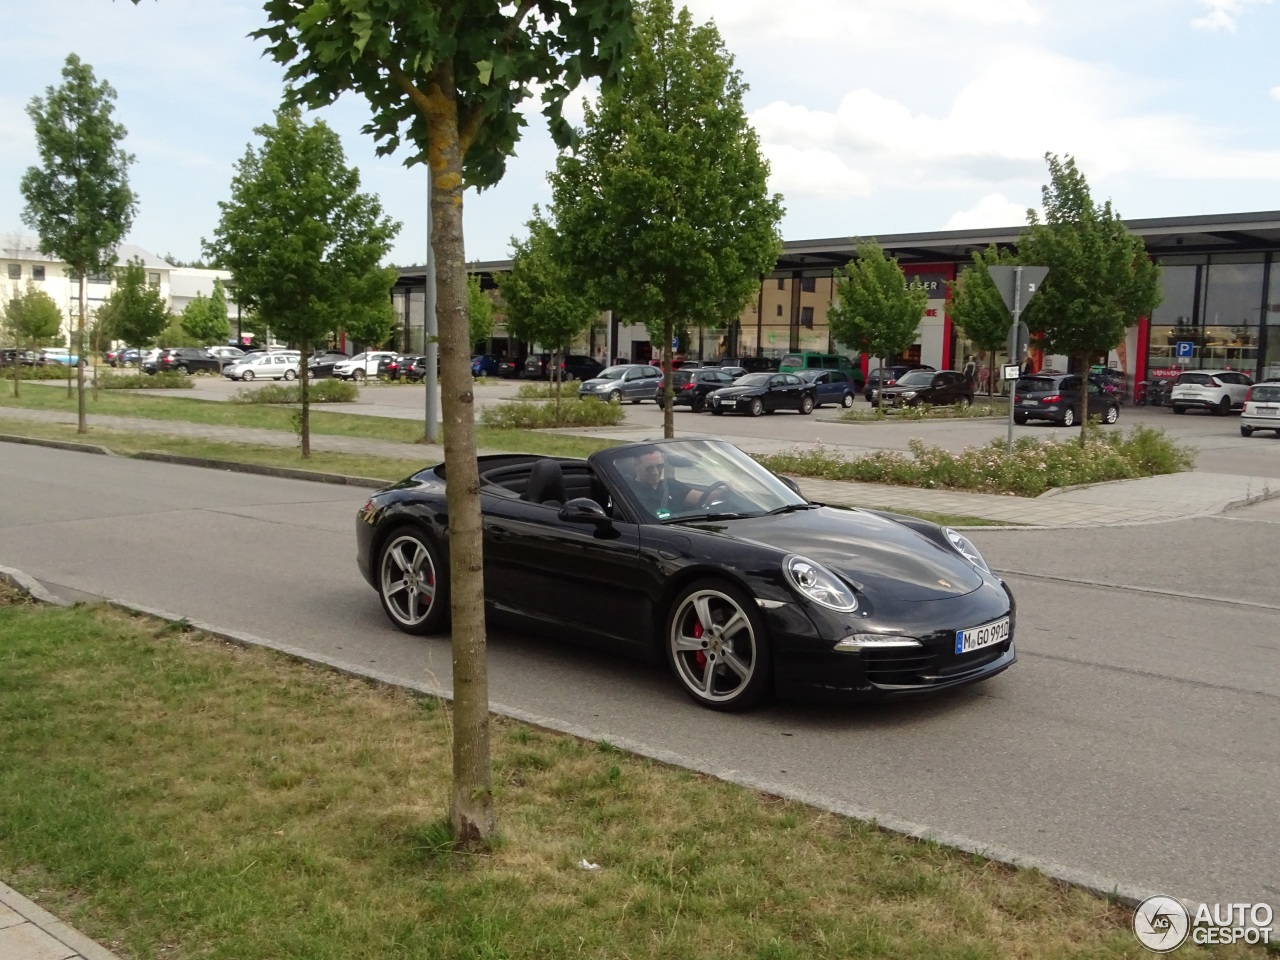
{"type": "Point", "coordinates": [509, 367]}
{"type": "Point", "coordinates": [363, 365]}
{"type": "Point", "coordinates": [758, 393]}
{"type": "Point", "coordinates": [733, 371]}
{"type": "Point", "coordinates": [938, 388]}
{"type": "Point", "coordinates": [25, 358]}
{"type": "Point", "coordinates": [1218, 391]}
{"type": "Point", "coordinates": [882, 377]}
{"type": "Point", "coordinates": [320, 365]}
{"type": "Point", "coordinates": [691, 387]}
{"type": "Point", "coordinates": [58, 355]}
{"type": "Point", "coordinates": [1056, 398]}
{"type": "Point", "coordinates": [812, 360]}
{"type": "Point", "coordinates": [183, 360]}
{"type": "Point", "coordinates": [225, 352]}
{"type": "Point", "coordinates": [833, 386]}
{"type": "Point", "coordinates": [750, 364]}
{"type": "Point", "coordinates": [1261, 408]}
{"type": "Point", "coordinates": [628, 381]}
{"type": "Point", "coordinates": [759, 592]}
{"type": "Point", "coordinates": [263, 366]}
{"type": "Point", "coordinates": [573, 366]}
{"type": "Point", "coordinates": [484, 365]}
{"type": "Point", "coordinates": [128, 357]}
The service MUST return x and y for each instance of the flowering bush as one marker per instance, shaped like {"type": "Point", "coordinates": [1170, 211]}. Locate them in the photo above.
{"type": "Point", "coordinates": [533, 416]}
{"type": "Point", "coordinates": [1033, 466]}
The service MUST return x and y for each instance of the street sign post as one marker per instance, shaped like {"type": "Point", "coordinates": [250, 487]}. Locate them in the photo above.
{"type": "Point", "coordinates": [1017, 285]}
{"type": "Point", "coordinates": [1010, 372]}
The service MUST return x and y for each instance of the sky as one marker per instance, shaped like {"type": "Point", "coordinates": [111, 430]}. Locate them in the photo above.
{"type": "Point", "coordinates": [877, 116]}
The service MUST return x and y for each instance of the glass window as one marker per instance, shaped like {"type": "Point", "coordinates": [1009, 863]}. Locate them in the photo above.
{"type": "Point", "coordinates": [808, 284]}
{"type": "Point", "coordinates": [806, 317]}
{"type": "Point", "coordinates": [1234, 295]}
{"type": "Point", "coordinates": [1178, 306]}
{"type": "Point", "coordinates": [153, 279]}
{"type": "Point", "coordinates": [15, 271]}
{"type": "Point", "coordinates": [779, 305]}
{"type": "Point", "coordinates": [37, 273]}
{"type": "Point", "coordinates": [782, 283]}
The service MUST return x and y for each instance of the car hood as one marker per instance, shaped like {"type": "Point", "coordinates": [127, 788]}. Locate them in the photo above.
{"type": "Point", "coordinates": [597, 384]}
{"type": "Point", "coordinates": [733, 393]}
{"type": "Point", "coordinates": [882, 556]}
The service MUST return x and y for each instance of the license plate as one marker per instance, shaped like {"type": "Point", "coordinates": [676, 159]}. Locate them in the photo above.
{"type": "Point", "coordinates": [1267, 411]}
{"type": "Point", "coordinates": [984, 636]}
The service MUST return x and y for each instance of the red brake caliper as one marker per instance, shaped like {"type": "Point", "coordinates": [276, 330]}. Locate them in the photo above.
{"type": "Point", "coordinates": [699, 657]}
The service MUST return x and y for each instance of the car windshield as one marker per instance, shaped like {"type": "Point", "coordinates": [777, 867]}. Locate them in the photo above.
{"type": "Point", "coordinates": [612, 373]}
{"type": "Point", "coordinates": [754, 380]}
{"type": "Point", "coordinates": [809, 375]}
{"type": "Point", "coordinates": [679, 480]}
{"type": "Point", "coordinates": [916, 378]}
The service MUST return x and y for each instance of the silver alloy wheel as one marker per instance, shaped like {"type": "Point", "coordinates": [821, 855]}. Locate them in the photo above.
{"type": "Point", "coordinates": [1068, 417]}
{"type": "Point", "coordinates": [247, 375]}
{"type": "Point", "coordinates": [289, 375]}
{"type": "Point", "coordinates": [360, 375]}
{"type": "Point", "coordinates": [806, 405]}
{"type": "Point", "coordinates": [757, 407]}
{"type": "Point", "coordinates": [407, 580]}
{"type": "Point", "coordinates": [847, 400]}
{"type": "Point", "coordinates": [1113, 414]}
{"type": "Point", "coordinates": [615, 396]}
{"type": "Point", "coordinates": [713, 647]}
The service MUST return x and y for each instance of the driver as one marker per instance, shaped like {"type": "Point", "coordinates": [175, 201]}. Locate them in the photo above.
{"type": "Point", "coordinates": [657, 492]}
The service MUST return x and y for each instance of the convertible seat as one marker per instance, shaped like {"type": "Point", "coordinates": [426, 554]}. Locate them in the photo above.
{"type": "Point", "coordinates": [546, 484]}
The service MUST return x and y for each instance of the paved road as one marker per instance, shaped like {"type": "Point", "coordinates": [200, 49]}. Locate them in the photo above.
{"type": "Point", "coordinates": [1136, 740]}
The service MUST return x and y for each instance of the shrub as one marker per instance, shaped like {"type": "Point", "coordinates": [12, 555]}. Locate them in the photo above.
{"type": "Point", "coordinates": [322, 391]}
{"type": "Point", "coordinates": [546, 390]}
{"type": "Point", "coordinates": [1033, 467]}
{"type": "Point", "coordinates": [533, 416]}
{"type": "Point", "coordinates": [981, 407]}
{"type": "Point", "coordinates": [50, 371]}
{"type": "Point", "coordinates": [143, 381]}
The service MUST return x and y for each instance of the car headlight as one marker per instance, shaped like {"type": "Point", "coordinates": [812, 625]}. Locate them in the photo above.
{"type": "Point", "coordinates": [819, 584]}
{"type": "Point", "coordinates": [907, 394]}
{"type": "Point", "coordinates": [964, 546]}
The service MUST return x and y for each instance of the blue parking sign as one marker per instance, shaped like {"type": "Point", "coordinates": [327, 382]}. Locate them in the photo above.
{"type": "Point", "coordinates": [1185, 350]}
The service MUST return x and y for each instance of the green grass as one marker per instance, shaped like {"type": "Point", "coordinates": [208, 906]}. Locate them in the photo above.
{"type": "Point", "coordinates": [172, 795]}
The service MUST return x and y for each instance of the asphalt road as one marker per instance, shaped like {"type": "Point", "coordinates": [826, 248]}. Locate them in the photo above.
{"type": "Point", "coordinates": [1135, 742]}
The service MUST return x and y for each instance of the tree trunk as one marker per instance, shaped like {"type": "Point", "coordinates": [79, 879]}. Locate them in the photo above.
{"type": "Point", "coordinates": [304, 431]}
{"type": "Point", "coordinates": [82, 421]}
{"type": "Point", "coordinates": [556, 380]}
{"type": "Point", "coordinates": [1084, 398]}
{"type": "Point", "coordinates": [471, 810]}
{"type": "Point", "coordinates": [668, 408]}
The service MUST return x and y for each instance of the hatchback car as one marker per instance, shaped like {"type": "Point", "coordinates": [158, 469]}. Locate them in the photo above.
{"type": "Point", "coordinates": [758, 393]}
{"type": "Point", "coordinates": [1056, 398]}
{"type": "Point", "coordinates": [833, 386]}
{"type": "Point", "coordinates": [573, 366]}
{"type": "Point", "coordinates": [882, 377]}
{"type": "Point", "coordinates": [1218, 391]}
{"type": "Point", "coordinates": [183, 360]}
{"type": "Point", "coordinates": [691, 387]}
{"type": "Point", "coordinates": [626, 381]}
{"type": "Point", "coordinates": [320, 365]}
{"type": "Point", "coordinates": [1261, 409]}
{"type": "Point", "coordinates": [938, 388]}
{"type": "Point", "coordinates": [408, 367]}
{"type": "Point", "coordinates": [485, 365]}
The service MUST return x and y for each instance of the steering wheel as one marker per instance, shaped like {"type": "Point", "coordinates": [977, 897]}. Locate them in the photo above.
{"type": "Point", "coordinates": [708, 495]}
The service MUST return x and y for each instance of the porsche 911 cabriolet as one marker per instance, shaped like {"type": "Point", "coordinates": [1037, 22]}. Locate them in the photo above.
{"type": "Point", "coordinates": [689, 550]}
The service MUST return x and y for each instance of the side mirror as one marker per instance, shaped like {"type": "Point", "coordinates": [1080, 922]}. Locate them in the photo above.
{"type": "Point", "coordinates": [795, 487]}
{"type": "Point", "coordinates": [584, 510]}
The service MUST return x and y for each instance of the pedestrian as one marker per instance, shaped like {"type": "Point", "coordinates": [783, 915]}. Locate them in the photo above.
{"type": "Point", "coordinates": [1028, 368]}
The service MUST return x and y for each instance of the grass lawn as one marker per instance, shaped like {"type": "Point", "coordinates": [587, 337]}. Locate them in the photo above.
{"type": "Point", "coordinates": [172, 795]}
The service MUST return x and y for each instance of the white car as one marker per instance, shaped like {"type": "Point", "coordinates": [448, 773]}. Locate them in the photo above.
{"type": "Point", "coordinates": [226, 353]}
{"type": "Point", "coordinates": [363, 365]}
{"type": "Point", "coordinates": [1261, 409]}
{"type": "Point", "coordinates": [262, 366]}
{"type": "Point", "coordinates": [1218, 391]}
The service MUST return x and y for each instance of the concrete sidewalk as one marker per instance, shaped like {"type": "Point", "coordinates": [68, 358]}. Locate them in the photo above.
{"type": "Point", "coordinates": [1177, 496]}
{"type": "Point", "coordinates": [28, 932]}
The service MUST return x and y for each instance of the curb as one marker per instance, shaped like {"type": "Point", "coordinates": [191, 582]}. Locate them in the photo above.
{"type": "Point", "coordinates": [70, 938]}
{"type": "Point", "coordinates": [1102, 887]}
{"type": "Point", "coordinates": [56, 444]}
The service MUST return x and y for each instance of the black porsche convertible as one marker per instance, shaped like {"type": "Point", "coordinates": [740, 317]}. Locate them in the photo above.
{"type": "Point", "coordinates": [690, 550]}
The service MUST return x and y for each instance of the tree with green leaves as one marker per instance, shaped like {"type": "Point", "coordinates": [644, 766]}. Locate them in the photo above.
{"type": "Point", "coordinates": [544, 302]}
{"type": "Point", "coordinates": [78, 200]}
{"type": "Point", "coordinates": [449, 78]}
{"type": "Point", "coordinates": [664, 205]}
{"type": "Point", "coordinates": [876, 311]}
{"type": "Point", "coordinates": [205, 318]}
{"type": "Point", "coordinates": [31, 319]}
{"type": "Point", "coordinates": [302, 240]}
{"type": "Point", "coordinates": [134, 311]}
{"type": "Point", "coordinates": [479, 310]}
{"type": "Point", "coordinates": [977, 307]}
{"type": "Point", "coordinates": [1100, 280]}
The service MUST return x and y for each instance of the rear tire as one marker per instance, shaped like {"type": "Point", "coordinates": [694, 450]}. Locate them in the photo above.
{"type": "Point", "coordinates": [247, 376]}
{"type": "Point", "coordinates": [1224, 407]}
{"type": "Point", "coordinates": [1248, 431]}
{"type": "Point", "coordinates": [360, 376]}
{"type": "Point", "coordinates": [290, 375]}
{"type": "Point", "coordinates": [1069, 417]}
{"type": "Point", "coordinates": [1178, 409]}
{"type": "Point", "coordinates": [1112, 414]}
{"type": "Point", "coordinates": [1020, 419]}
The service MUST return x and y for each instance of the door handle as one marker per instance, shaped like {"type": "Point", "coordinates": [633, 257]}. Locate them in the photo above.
{"type": "Point", "coordinates": [499, 533]}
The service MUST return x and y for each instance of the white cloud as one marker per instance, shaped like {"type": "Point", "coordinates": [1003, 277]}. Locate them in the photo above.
{"type": "Point", "coordinates": [1275, 93]}
{"type": "Point", "coordinates": [865, 19]}
{"type": "Point", "coordinates": [993, 210]}
{"type": "Point", "coordinates": [1222, 14]}
{"type": "Point", "coordinates": [812, 171]}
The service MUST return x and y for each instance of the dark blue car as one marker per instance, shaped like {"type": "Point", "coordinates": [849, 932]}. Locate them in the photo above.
{"type": "Point", "coordinates": [833, 386]}
{"type": "Point", "coordinates": [484, 365]}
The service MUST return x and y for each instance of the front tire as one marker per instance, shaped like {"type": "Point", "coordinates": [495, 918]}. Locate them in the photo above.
{"type": "Point", "coordinates": [847, 401]}
{"type": "Point", "coordinates": [757, 407]}
{"type": "Point", "coordinates": [290, 375]}
{"type": "Point", "coordinates": [717, 647]}
{"type": "Point", "coordinates": [412, 582]}
{"type": "Point", "coordinates": [806, 405]}
{"type": "Point", "coordinates": [247, 376]}
{"type": "Point", "coordinates": [360, 376]}
{"type": "Point", "coordinates": [615, 396]}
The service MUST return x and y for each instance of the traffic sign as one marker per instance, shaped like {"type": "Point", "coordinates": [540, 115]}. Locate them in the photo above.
{"type": "Point", "coordinates": [1186, 350]}
{"type": "Point", "coordinates": [1022, 281]}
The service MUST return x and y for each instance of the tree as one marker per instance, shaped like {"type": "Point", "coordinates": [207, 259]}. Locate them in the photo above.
{"type": "Point", "coordinates": [1100, 280]}
{"type": "Point", "coordinates": [449, 77]}
{"type": "Point", "coordinates": [78, 199]}
{"type": "Point", "coordinates": [134, 311]}
{"type": "Point", "coordinates": [876, 311]}
{"type": "Point", "coordinates": [977, 307]}
{"type": "Point", "coordinates": [31, 319]}
{"type": "Point", "coordinates": [544, 303]}
{"type": "Point", "coordinates": [301, 239]}
{"type": "Point", "coordinates": [479, 310]}
{"type": "Point", "coordinates": [664, 205]}
{"type": "Point", "coordinates": [205, 318]}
